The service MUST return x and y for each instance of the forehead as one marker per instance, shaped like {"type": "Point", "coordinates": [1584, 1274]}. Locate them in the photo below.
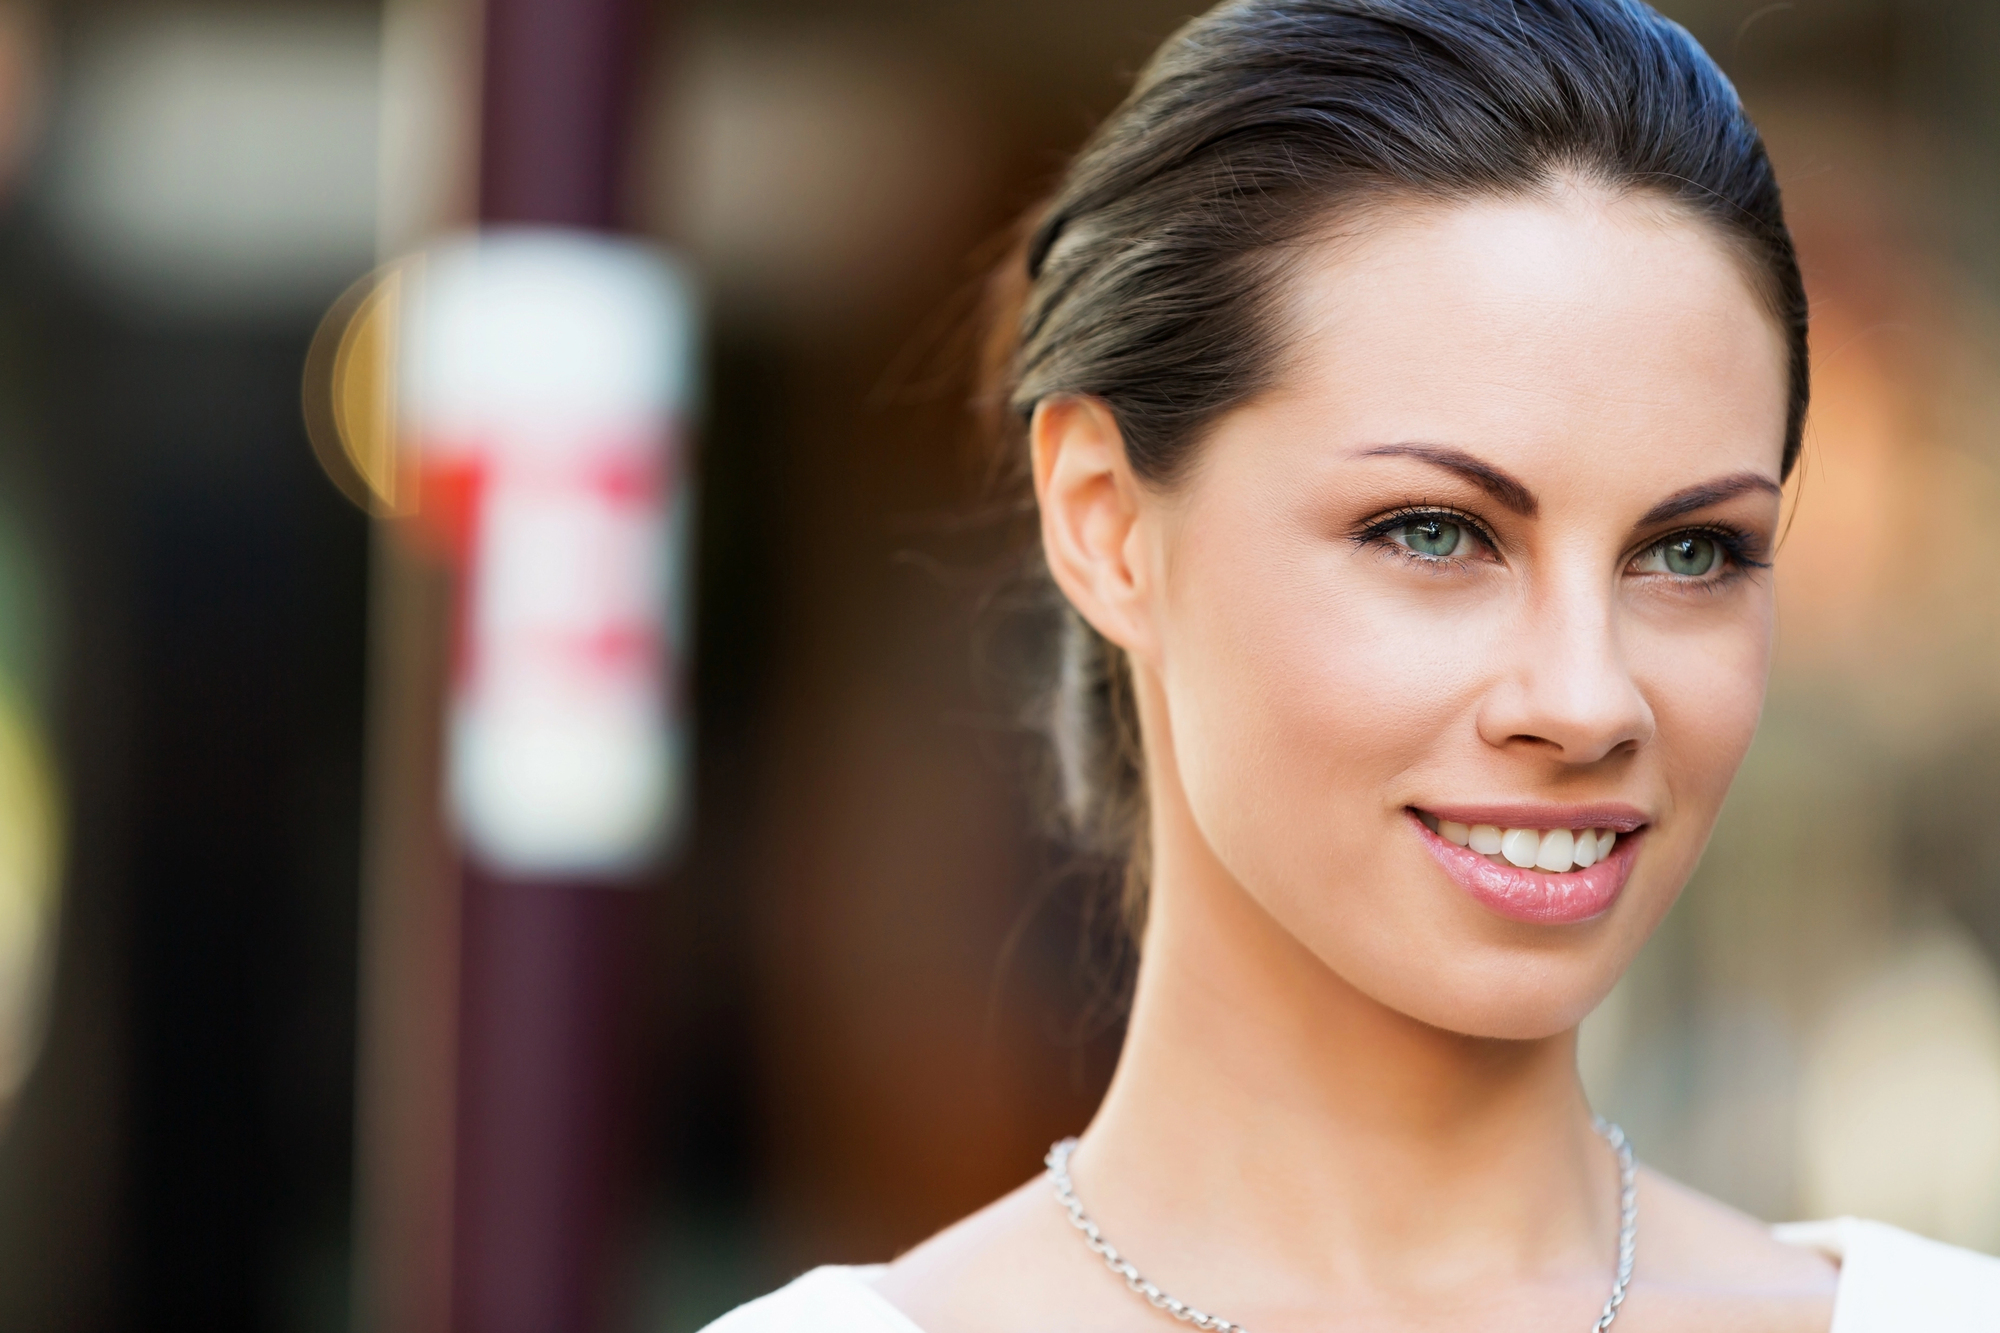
{"type": "Point", "coordinates": [1578, 327]}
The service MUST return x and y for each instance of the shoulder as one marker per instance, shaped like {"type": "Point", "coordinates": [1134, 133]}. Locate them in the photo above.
{"type": "Point", "coordinates": [1893, 1280]}
{"type": "Point", "coordinates": [1014, 1264]}
{"type": "Point", "coordinates": [1703, 1264]}
{"type": "Point", "coordinates": [826, 1300]}
{"type": "Point", "coordinates": [1694, 1239]}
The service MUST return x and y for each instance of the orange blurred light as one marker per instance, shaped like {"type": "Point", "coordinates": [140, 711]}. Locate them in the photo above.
{"type": "Point", "coordinates": [350, 394]}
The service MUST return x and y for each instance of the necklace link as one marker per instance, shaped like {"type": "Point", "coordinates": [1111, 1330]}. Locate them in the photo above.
{"type": "Point", "coordinates": [1065, 1190]}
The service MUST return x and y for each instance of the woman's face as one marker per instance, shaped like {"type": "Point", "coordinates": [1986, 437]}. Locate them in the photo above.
{"type": "Point", "coordinates": [1489, 557]}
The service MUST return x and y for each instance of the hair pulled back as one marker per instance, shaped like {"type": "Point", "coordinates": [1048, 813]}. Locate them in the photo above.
{"type": "Point", "coordinates": [1148, 280]}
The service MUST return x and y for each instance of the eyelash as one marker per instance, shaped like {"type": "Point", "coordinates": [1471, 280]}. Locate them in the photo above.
{"type": "Point", "coordinates": [1737, 545]}
{"type": "Point", "coordinates": [1378, 529]}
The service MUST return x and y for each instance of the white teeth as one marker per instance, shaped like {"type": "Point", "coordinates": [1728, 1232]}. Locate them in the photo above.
{"type": "Point", "coordinates": [1556, 851]}
{"type": "Point", "coordinates": [1557, 846]}
{"type": "Point", "coordinates": [1521, 846]}
{"type": "Point", "coordinates": [1586, 848]}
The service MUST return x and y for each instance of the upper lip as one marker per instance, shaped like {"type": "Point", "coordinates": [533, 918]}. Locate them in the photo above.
{"type": "Point", "coordinates": [1613, 815]}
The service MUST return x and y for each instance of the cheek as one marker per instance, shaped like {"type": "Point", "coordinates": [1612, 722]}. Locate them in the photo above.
{"type": "Point", "coordinates": [1297, 698]}
{"type": "Point", "coordinates": [1707, 692]}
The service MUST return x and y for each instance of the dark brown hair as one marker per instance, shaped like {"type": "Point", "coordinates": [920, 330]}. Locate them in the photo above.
{"type": "Point", "coordinates": [1147, 280]}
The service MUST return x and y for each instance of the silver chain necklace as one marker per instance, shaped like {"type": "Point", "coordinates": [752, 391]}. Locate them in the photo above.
{"type": "Point", "coordinates": [1628, 1238]}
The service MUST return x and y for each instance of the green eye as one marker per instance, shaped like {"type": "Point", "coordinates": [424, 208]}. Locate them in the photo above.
{"type": "Point", "coordinates": [1432, 536]}
{"type": "Point", "coordinates": [1690, 555]}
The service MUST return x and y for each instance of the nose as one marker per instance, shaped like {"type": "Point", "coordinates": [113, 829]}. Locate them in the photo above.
{"type": "Point", "coordinates": [1563, 685]}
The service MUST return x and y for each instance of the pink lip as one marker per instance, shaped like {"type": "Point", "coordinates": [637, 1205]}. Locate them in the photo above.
{"type": "Point", "coordinates": [1535, 895]}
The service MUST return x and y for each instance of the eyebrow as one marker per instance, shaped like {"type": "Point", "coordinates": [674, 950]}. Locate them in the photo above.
{"type": "Point", "coordinates": [1485, 476]}
{"type": "Point", "coordinates": [1709, 493]}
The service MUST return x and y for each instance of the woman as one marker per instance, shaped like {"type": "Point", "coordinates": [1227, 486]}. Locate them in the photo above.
{"type": "Point", "coordinates": [1408, 387]}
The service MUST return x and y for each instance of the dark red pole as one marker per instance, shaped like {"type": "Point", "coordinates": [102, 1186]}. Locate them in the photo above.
{"type": "Point", "coordinates": [555, 111]}
{"type": "Point", "coordinates": [544, 965]}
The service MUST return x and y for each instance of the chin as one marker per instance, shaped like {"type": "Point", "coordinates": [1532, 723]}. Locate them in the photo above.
{"type": "Point", "coordinates": [1462, 970]}
{"type": "Point", "coordinates": [1527, 1008]}
{"type": "Point", "coordinates": [1483, 971]}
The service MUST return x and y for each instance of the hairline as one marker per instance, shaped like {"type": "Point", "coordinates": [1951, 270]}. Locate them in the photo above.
{"type": "Point", "coordinates": [1275, 269]}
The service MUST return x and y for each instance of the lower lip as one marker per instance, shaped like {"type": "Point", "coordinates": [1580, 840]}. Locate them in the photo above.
{"type": "Point", "coordinates": [1535, 895]}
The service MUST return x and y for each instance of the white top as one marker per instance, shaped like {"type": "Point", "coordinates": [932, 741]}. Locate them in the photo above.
{"type": "Point", "coordinates": [1890, 1282]}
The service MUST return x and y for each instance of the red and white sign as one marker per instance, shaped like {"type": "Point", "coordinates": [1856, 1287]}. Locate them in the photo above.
{"type": "Point", "coordinates": [545, 383]}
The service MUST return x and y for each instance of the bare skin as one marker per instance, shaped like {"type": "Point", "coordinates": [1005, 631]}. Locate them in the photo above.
{"type": "Point", "coordinates": [1348, 1096]}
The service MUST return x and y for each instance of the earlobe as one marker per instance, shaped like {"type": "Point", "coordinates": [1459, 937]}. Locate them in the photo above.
{"type": "Point", "coordinates": [1090, 511]}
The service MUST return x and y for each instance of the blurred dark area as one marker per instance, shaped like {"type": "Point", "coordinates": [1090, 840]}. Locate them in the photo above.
{"type": "Point", "coordinates": [186, 1138]}
{"type": "Point", "coordinates": [868, 990]}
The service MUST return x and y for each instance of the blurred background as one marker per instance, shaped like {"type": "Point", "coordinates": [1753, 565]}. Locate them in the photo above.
{"type": "Point", "coordinates": [860, 996]}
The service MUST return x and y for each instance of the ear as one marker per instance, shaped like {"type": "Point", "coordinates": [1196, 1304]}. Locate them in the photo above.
{"type": "Point", "coordinates": [1090, 510]}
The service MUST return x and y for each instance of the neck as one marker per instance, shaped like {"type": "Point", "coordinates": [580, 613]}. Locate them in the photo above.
{"type": "Point", "coordinates": [1338, 1140]}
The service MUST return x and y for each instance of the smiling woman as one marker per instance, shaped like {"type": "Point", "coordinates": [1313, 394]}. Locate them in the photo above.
{"type": "Point", "coordinates": [1407, 389]}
